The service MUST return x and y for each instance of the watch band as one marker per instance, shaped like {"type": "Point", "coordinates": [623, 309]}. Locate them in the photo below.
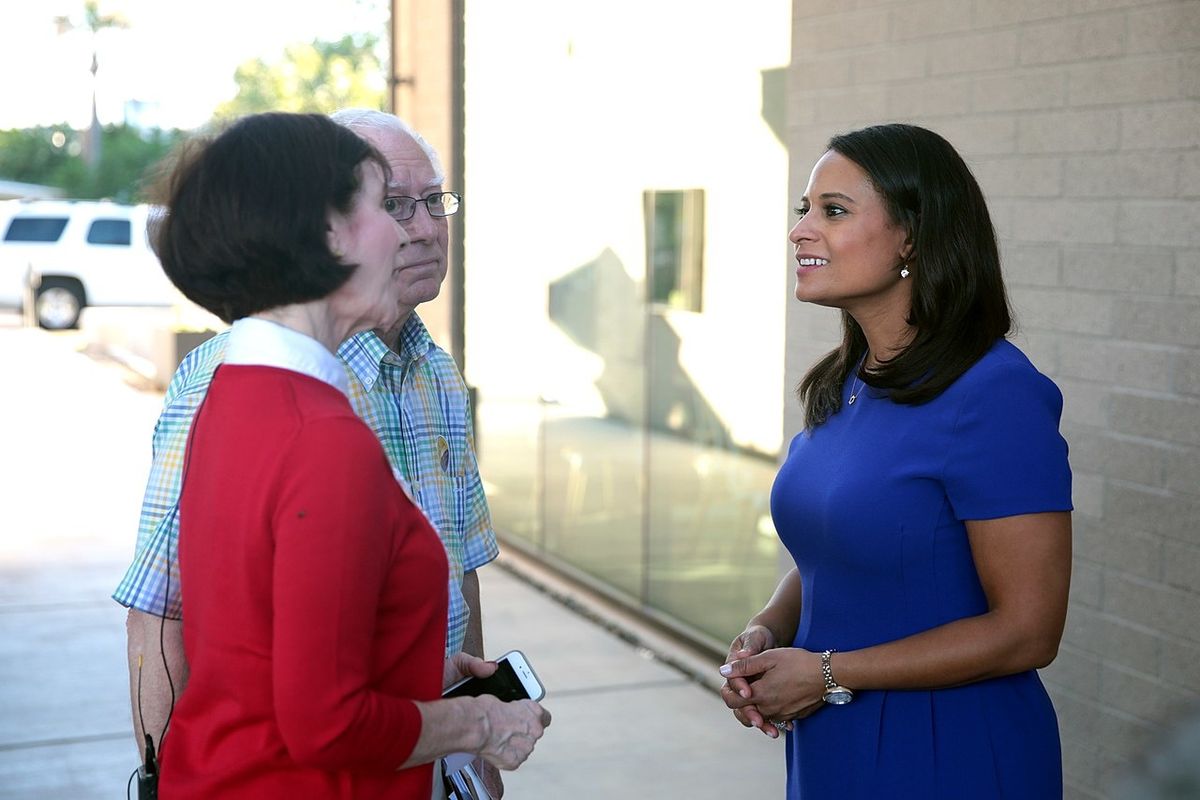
{"type": "Point", "coordinates": [827, 669]}
{"type": "Point", "coordinates": [835, 694]}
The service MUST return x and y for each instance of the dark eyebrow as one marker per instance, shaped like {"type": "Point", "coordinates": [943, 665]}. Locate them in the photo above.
{"type": "Point", "coordinates": [838, 196]}
{"type": "Point", "coordinates": [832, 196]}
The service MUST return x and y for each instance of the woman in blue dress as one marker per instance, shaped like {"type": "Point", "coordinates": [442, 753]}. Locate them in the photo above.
{"type": "Point", "coordinates": [926, 504]}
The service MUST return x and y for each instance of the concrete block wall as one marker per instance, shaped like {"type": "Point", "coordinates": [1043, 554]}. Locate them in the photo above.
{"type": "Point", "coordinates": [1081, 119]}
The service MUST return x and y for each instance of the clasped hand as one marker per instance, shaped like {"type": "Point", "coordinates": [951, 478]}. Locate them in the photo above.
{"type": "Point", "coordinates": [767, 684]}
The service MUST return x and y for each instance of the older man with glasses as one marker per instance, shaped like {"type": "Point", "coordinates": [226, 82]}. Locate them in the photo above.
{"type": "Point", "coordinates": [405, 387]}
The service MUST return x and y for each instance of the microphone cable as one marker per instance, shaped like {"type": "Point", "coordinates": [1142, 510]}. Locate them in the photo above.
{"type": "Point", "coordinates": [147, 774]}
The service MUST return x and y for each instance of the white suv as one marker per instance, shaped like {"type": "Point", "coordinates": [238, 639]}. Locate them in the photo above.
{"type": "Point", "coordinates": [70, 254]}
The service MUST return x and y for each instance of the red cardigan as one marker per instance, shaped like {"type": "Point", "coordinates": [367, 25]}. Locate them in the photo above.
{"type": "Point", "coordinates": [314, 596]}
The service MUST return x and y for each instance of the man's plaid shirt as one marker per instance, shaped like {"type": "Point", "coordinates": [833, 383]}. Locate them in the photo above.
{"type": "Point", "coordinates": [417, 404]}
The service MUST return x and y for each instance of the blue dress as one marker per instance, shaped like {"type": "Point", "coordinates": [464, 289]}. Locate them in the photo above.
{"type": "Point", "coordinates": [871, 505]}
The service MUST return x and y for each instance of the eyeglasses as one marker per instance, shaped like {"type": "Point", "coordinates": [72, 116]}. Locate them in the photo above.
{"type": "Point", "coordinates": [438, 204]}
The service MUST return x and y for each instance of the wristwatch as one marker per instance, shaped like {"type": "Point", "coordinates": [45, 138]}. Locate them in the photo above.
{"type": "Point", "coordinates": [835, 695]}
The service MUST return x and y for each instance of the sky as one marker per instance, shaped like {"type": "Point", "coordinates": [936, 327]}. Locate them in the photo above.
{"type": "Point", "coordinates": [177, 57]}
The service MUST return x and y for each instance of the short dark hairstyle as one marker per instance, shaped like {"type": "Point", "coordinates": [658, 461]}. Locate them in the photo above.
{"type": "Point", "coordinates": [246, 213]}
{"type": "Point", "coordinates": [959, 305]}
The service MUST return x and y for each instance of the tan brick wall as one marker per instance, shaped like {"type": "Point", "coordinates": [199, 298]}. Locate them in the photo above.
{"type": "Point", "coordinates": [1081, 119]}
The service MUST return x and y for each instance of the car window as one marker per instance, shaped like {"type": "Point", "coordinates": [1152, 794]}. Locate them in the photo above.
{"type": "Point", "coordinates": [35, 229]}
{"type": "Point", "coordinates": [109, 231]}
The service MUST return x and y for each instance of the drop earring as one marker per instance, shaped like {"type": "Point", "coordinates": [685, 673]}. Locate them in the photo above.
{"type": "Point", "coordinates": [904, 272]}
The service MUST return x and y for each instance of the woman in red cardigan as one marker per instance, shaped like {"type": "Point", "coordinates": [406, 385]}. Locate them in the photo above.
{"type": "Point", "coordinates": [315, 590]}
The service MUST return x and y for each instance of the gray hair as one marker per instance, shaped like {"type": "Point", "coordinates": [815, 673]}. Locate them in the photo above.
{"type": "Point", "coordinates": [360, 119]}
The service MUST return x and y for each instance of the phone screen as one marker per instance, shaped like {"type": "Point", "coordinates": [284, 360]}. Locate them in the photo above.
{"type": "Point", "coordinates": [503, 683]}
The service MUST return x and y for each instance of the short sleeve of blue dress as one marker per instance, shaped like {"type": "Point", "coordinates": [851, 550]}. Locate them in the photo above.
{"type": "Point", "coordinates": [1006, 455]}
{"type": "Point", "coordinates": [872, 507]}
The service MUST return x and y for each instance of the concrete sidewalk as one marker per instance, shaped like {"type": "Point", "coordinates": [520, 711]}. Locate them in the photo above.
{"type": "Point", "coordinates": [627, 722]}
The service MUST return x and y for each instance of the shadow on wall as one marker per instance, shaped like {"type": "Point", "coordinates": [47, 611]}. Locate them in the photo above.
{"type": "Point", "coordinates": [604, 311]}
{"type": "Point", "coordinates": [774, 102]}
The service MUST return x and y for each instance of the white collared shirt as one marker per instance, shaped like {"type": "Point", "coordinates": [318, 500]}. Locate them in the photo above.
{"type": "Point", "coordinates": [259, 342]}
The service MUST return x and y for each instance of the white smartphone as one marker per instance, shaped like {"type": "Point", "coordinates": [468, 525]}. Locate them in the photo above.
{"type": "Point", "coordinates": [513, 679]}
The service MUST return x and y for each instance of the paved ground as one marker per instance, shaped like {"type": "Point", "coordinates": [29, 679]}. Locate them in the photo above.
{"type": "Point", "coordinates": [74, 448]}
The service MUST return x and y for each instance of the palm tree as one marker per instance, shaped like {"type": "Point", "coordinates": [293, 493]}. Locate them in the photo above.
{"type": "Point", "coordinates": [94, 22]}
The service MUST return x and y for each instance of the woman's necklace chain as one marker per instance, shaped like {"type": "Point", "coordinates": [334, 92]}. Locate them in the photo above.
{"type": "Point", "coordinates": [860, 385]}
{"type": "Point", "coordinates": [854, 392]}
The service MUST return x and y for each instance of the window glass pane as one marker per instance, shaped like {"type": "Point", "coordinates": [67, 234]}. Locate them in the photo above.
{"type": "Point", "coordinates": [713, 556]}
{"type": "Point", "coordinates": [109, 231]}
{"type": "Point", "coordinates": [509, 458]}
{"type": "Point", "coordinates": [593, 430]}
{"type": "Point", "coordinates": [630, 356]}
{"type": "Point", "coordinates": [675, 247]}
{"type": "Point", "coordinates": [35, 229]}
{"type": "Point", "coordinates": [664, 242]}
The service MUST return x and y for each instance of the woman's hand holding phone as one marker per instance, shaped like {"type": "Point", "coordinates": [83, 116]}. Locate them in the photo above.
{"type": "Point", "coordinates": [505, 693]}
{"type": "Point", "coordinates": [512, 679]}
{"type": "Point", "coordinates": [487, 712]}
{"type": "Point", "coordinates": [461, 666]}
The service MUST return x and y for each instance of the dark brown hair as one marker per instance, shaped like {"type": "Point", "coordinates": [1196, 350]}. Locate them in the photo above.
{"type": "Point", "coordinates": [246, 212]}
{"type": "Point", "coordinates": [959, 305]}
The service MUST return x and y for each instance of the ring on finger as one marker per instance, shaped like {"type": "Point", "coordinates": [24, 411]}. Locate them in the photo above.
{"type": "Point", "coordinates": [780, 726]}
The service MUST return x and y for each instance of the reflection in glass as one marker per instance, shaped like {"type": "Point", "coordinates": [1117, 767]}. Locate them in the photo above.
{"type": "Point", "coordinates": [675, 247]}
{"type": "Point", "coordinates": [593, 430]}
{"type": "Point", "coordinates": [713, 554]}
{"type": "Point", "coordinates": [509, 461]}
{"type": "Point", "coordinates": [710, 565]}
{"type": "Point", "coordinates": [628, 338]}
{"type": "Point", "coordinates": [621, 468]}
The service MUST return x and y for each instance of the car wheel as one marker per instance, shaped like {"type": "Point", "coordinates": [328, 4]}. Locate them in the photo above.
{"type": "Point", "coordinates": [58, 304]}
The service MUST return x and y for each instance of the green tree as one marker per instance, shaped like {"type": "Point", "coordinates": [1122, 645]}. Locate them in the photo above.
{"type": "Point", "coordinates": [32, 155]}
{"type": "Point", "coordinates": [320, 77]}
{"type": "Point", "coordinates": [130, 158]}
{"type": "Point", "coordinates": [50, 156]}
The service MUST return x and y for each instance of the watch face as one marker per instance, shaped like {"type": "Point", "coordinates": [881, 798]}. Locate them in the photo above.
{"type": "Point", "coordinates": [838, 696]}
